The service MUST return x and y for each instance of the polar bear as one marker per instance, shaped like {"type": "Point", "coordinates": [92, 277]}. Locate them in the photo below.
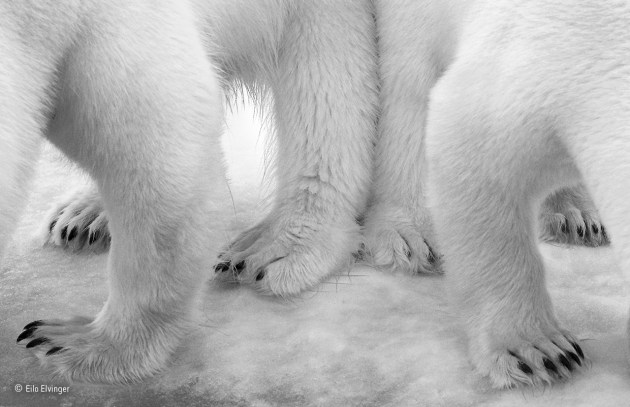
{"type": "Point", "coordinates": [537, 99]}
{"type": "Point", "coordinates": [131, 91]}
{"type": "Point", "coordinates": [416, 43]}
{"type": "Point", "coordinates": [317, 59]}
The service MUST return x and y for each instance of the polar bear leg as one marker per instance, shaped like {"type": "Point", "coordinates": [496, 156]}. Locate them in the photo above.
{"type": "Point", "coordinates": [398, 233]}
{"type": "Point", "coordinates": [325, 95]}
{"type": "Point", "coordinates": [490, 165]}
{"type": "Point", "coordinates": [143, 117]}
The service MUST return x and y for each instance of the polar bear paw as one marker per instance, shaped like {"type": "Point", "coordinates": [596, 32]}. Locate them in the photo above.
{"type": "Point", "coordinates": [536, 360]}
{"type": "Point", "coordinates": [78, 223]}
{"type": "Point", "coordinates": [285, 257]}
{"type": "Point", "coordinates": [573, 226]}
{"type": "Point", "coordinates": [75, 350]}
{"type": "Point", "coordinates": [568, 217]}
{"type": "Point", "coordinates": [392, 241]}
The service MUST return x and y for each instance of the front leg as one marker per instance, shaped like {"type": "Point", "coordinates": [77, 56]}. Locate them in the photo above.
{"type": "Point", "coordinates": [325, 94]}
{"type": "Point", "coordinates": [398, 230]}
{"type": "Point", "coordinates": [143, 117]}
{"type": "Point", "coordinates": [488, 171]}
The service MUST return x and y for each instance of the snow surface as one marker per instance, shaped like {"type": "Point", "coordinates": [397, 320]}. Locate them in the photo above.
{"type": "Point", "coordinates": [364, 338]}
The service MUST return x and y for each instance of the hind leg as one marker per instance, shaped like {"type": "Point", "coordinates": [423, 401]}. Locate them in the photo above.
{"type": "Point", "coordinates": [325, 94]}
{"type": "Point", "coordinates": [143, 117]}
{"type": "Point", "coordinates": [489, 169]}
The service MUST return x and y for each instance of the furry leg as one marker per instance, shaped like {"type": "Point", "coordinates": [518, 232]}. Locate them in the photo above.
{"type": "Point", "coordinates": [325, 93]}
{"type": "Point", "coordinates": [398, 231]}
{"type": "Point", "coordinates": [484, 208]}
{"type": "Point", "coordinates": [141, 111]}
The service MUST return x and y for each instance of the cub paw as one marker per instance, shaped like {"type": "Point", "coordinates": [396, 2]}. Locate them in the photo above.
{"type": "Point", "coordinates": [78, 223]}
{"type": "Point", "coordinates": [568, 217]}
{"type": "Point", "coordinates": [393, 241]}
{"type": "Point", "coordinates": [285, 257]}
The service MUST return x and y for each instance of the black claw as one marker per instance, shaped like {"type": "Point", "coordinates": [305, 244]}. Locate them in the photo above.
{"type": "Point", "coordinates": [595, 229]}
{"type": "Point", "coordinates": [240, 266]}
{"type": "Point", "coordinates": [260, 275]}
{"type": "Point", "coordinates": [54, 350]}
{"type": "Point", "coordinates": [26, 334]}
{"type": "Point", "coordinates": [575, 358]}
{"type": "Point", "coordinates": [578, 349]}
{"type": "Point", "coordinates": [73, 233]}
{"type": "Point", "coordinates": [33, 324]}
{"type": "Point", "coordinates": [525, 367]}
{"type": "Point", "coordinates": [431, 257]}
{"type": "Point", "coordinates": [565, 226]}
{"type": "Point", "coordinates": [549, 365]}
{"type": "Point", "coordinates": [604, 234]}
{"type": "Point", "coordinates": [93, 238]}
{"type": "Point", "coordinates": [521, 365]}
{"type": "Point", "coordinates": [64, 233]}
{"type": "Point", "coordinates": [580, 231]}
{"type": "Point", "coordinates": [221, 267]}
{"type": "Point", "coordinates": [565, 362]}
{"type": "Point", "coordinates": [36, 342]}
{"type": "Point", "coordinates": [52, 225]}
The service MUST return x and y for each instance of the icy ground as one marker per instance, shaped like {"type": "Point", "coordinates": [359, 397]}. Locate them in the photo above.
{"type": "Point", "coordinates": [364, 338]}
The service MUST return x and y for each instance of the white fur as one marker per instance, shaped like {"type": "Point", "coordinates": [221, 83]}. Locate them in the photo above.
{"type": "Point", "coordinates": [537, 98]}
{"type": "Point", "coordinates": [317, 59]}
{"type": "Point", "coordinates": [138, 106]}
